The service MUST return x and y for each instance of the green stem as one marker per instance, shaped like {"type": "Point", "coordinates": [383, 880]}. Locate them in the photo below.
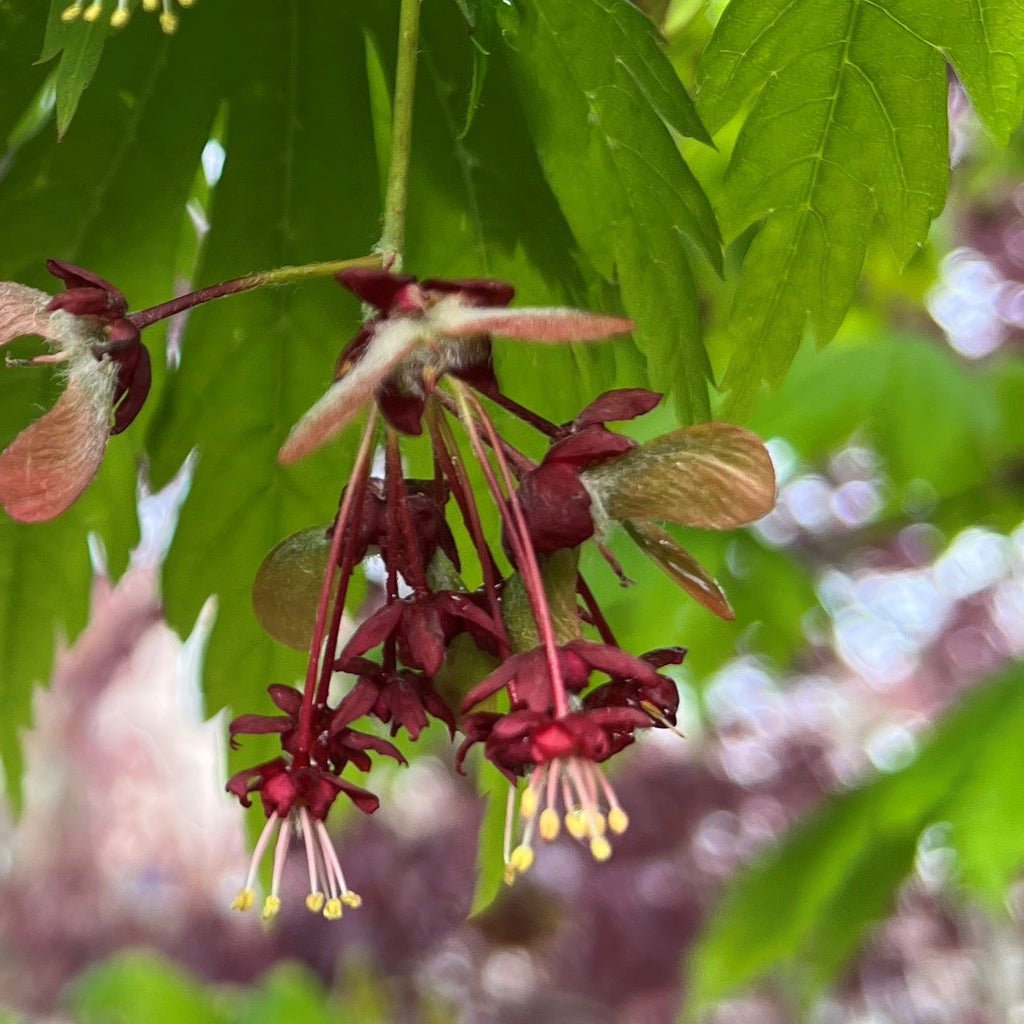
{"type": "Point", "coordinates": [392, 241]}
{"type": "Point", "coordinates": [264, 279]}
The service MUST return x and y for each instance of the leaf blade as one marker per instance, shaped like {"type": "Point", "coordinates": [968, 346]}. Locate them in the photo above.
{"type": "Point", "coordinates": [589, 105]}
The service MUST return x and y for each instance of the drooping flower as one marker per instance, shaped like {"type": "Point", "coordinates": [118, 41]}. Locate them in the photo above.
{"type": "Point", "coordinates": [48, 466]}
{"type": "Point", "coordinates": [561, 755]}
{"type": "Point", "coordinates": [334, 746]}
{"type": "Point", "coordinates": [560, 751]}
{"type": "Point", "coordinates": [424, 331]}
{"type": "Point", "coordinates": [297, 792]}
{"type": "Point", "coordinates": [298, 799]}
{"type": "Point", "coordinates": [711, 476]}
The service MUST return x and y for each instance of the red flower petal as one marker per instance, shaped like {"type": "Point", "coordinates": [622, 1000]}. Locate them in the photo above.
{"type": "Point", "coordinates": [380, 288]}
{"type": "Point", "coordinates": [621, 404]}
{"type": "Point", "coordinates": [135, 375]}
{"type": "Point", "coordinates": [373, 632]}
{"type": "Point", "coordinates": [45, 469]}
{"type": "Point", "coordinates": [287, 698]}
{"type": "Point", "coordinates": [589, 445]}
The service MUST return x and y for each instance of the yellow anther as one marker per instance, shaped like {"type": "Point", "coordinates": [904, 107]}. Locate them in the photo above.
{"type": "Point", "coordinates": [618, 820]}
{"type": "Point", "coordinates": [575, 823]}
{"type": "Point", "coordinates": [549, 825]}
{"type": "Point", "coordinates": [93, 11]}
{"type": "Point", "coordinates": [528, 804]}
{"type": "Point", "coordinates": [245, 900]}
{"type": "Point", "coordinates": [521, 859]}
{"type": "Point", "coordinates": [119, 18]}
{"type": "Point", "coordinates": [186, 3]}
{"type": "Point", "coordinates": [600, 848]}
{"type": "Point", "coordinates": [595, 820]}
{"type": "Point", "coordinates": [169, 23]}
{"type": "Point", "coordinates": [151, 5]}
{"type": "Point", "coordinates": [271, 907]}
{"type": "Point", "coordinates": [70, 14]}
{"type": "Point", "coordinates": [352, 899]}
{"type": "Point", "coordinates": [509, 875]}
{"type": "Point", "coordinates": [315, 902]}
{"type": "Point", "coordinates": [332, 909]}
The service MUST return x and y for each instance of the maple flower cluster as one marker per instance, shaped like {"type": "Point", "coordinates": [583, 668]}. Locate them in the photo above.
{"type": "Point", "coordinates": [561, 696]}
{"type": "Point", "coordinates": [499, 638]}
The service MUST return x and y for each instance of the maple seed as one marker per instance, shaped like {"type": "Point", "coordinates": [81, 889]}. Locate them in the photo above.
{"type": "Point", "coordinates": [423, 332]}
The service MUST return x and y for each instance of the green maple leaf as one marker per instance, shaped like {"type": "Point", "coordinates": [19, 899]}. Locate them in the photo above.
{"type": "Point", "coordinates": [604, 108]}
{"type": "Point", "coordinates": [847, 128]}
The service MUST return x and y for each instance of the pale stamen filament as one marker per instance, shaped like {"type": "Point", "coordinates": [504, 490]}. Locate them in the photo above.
{"type": "Point", "coordinates": [272, 904]}
{"type": "Point", "coordinates": [346, 895]}
{"type": "Point", "coordinates": [550, 823]}
{"type": "Point", "coordinates": [528, 804]}
{"type": "Point", "coordinates": [582, 790]}
{"type": "Point", "coordinates": [247, 895]}
{"type": "Point", "coordinates": [618, 820]}
{"type": "Point", "coordinates": [510, 810]}
{"type": "Point", "coordinates": [600, 848]}
{"type": "Point", "coordinates": [315, 899]}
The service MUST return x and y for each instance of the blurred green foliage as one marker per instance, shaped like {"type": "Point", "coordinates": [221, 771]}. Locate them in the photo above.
{"type": "Point", "coordinates": [138, 987]}
{"type": "Point", "coordinates": [800, 910]}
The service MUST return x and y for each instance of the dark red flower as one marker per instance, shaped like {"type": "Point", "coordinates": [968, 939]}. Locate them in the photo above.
{"type": "Point", "coordinates": [528, 675]}
{"type": "Point", "coordinates": [557, 505]}
{"type": "Point", "coordinates": [424, 331]}
{"type": "Point", "coordinates": [401, 698]}
{"type": "Point", "coordinates": [561, 754]}
{"type": "Point", "coordinates": [298, 797]}
{"type": "Point", "coordinates": [528, 739]}
{"type": "Point", "coordinates": [281, 786]}
{"type": "Point", "coordinates": [655, 694]}
{"type": "Point", "coordinates": [88, 296]}
{"type": "Point", "coordinates": [430, 529]}
{"type": "Point", "coordinates": [422, 626]}
{"type": "Point", "coordinates": [333, 746]}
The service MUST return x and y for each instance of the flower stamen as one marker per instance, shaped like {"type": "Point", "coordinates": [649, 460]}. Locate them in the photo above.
{"type": "Point", "coordinates": [121, 15]}
{"type": "Point", "coordinates": [272, 904]}
{"type": "Point", "coordinates": [328, 890]}
{"type": "Point", "coordinates": [581, 790]}
{"type": "Point", "coordinates": [246, 898]}
{"type": "Point", "coordinates": [315, 899]}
